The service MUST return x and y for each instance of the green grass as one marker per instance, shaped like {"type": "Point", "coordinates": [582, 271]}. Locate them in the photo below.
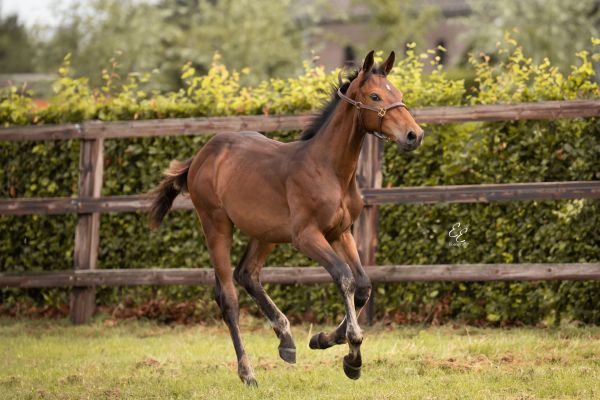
{"type": "Point", "coordinates": [51, 359]}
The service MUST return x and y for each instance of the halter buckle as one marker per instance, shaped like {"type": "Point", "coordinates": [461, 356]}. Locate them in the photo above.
{"type": "Point", "coordinates": [381, 112]}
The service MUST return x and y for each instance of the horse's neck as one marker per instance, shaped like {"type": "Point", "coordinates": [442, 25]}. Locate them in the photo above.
{"type": "Point", "coordinates": [339, 143]}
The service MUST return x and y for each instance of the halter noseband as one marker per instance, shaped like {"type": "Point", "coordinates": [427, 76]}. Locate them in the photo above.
{"type": "Point", "coordinates": [380, 111]}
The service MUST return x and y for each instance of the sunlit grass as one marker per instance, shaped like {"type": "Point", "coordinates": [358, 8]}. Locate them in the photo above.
{"type": "Point", "coordinates": [52, 359]}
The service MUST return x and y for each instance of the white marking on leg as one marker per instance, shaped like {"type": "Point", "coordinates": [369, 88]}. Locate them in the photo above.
{"type": "Point", "coordinates": [347, 286]}
{"type": "Point", "coordinates": [281, 324]}
{"type": "Point", "coordinates": [353, 331]}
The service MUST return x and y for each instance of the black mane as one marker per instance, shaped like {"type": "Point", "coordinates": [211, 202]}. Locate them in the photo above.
{"type": "Point", "coordinates": [320, 121]}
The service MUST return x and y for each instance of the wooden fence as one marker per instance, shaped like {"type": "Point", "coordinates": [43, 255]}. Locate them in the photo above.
{"type": "Point", "coordinates": [89, 204]}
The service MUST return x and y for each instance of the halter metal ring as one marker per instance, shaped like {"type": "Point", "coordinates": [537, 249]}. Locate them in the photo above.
{"type": "Point", "coordinates": [381, 112]}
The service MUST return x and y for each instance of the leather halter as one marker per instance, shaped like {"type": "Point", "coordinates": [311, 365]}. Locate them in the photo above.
{"type": "Point", "coordinates": [380, 111]}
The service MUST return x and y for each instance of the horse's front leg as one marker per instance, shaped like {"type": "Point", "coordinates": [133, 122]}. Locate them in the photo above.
{"type": "Point", "coordinates": [312, 243]}
{"type": "Point", "coordinates": [345, 247]}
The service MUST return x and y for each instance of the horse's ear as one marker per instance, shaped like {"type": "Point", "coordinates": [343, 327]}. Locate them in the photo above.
{"type": "Point", "coordinates": [368, 64]}
{"type": "Point", "coordinates": [388, 64]}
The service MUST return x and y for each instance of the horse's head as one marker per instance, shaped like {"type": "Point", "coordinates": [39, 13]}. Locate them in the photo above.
{"type": "Point", "coordinates": [381, 105]}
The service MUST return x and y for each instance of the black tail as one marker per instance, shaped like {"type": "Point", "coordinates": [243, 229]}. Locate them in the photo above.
{"type": "Point", "coordinates": [164, 194]}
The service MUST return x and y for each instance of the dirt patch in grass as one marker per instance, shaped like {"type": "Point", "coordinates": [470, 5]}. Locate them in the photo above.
{"type": "Point", "coordinates": [460, 364]}
{"type": "Point", "coordinates": [149, 362]}
{"type": "Point", "coordinates": [71, 380]}
{"type": "Point", "coordinates": [10, 381]}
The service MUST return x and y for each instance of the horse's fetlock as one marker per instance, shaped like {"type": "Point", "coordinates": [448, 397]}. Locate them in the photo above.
{"type": "Point", "coordinates": [245, 370]}
{"type": "Point", "coordinates": [281, 325]}
{"type": "Point", "coordinates": [354, 335]}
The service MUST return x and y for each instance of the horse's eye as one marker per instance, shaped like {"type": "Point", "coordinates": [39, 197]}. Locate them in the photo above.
{"type": "Point", "coordinates": [374, 97]}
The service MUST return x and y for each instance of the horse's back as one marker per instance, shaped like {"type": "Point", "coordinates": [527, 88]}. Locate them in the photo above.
{"type": "Point", "coordinates": [244, 174]}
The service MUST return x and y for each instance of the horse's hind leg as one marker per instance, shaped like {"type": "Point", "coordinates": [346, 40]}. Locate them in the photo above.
{"type": "Point", "coordinates": [247, 274]}
{"type": "Point", "coordinates": [218, 231]}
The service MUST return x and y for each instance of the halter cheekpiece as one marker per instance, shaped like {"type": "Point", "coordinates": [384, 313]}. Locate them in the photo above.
{"type": "Point", "coordinates": [380, 111]}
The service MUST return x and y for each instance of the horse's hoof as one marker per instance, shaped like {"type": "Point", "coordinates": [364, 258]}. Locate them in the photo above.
{"type": "Point", "coordinates": [351, 371]}
{"type": "Point", "coordinates": [288, 354]}
{"type": "Point", "coordinates": [249, 381]}
{"type": "Point", "coordinates": [316, 343]}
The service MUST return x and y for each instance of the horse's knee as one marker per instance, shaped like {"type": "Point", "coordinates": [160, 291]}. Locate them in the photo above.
{"type": "Point", "coordinates": [347, 284]}
{"type": "Point", "coordinates": [343, 278]}
{"type": "Point", "coordinates": [362, 294]}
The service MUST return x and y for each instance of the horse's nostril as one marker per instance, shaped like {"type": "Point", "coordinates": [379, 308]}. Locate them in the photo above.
{"type": "Point", "coordinates": [411, 137]}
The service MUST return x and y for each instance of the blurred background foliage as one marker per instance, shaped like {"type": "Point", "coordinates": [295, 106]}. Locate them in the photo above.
{"type": "Point", "coordinates": [161, 36]}
{"type": "Point", "coordinates": [392, 22]}
{"type": "Point", "coordinates": [471, 153]}
{"type": "Point", "coordinates": [135, 59]}
{"type": "Point", "coordinates": [545, 29]}
{"type": "Point", "coordinates": [273, 39]}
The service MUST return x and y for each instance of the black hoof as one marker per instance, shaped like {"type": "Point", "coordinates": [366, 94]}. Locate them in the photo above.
{"type": "Point", "coordinates": [314, 342]}
{"type": "Point", "coordinates": [318, 342]}
{"type": "Point", "coordinates": [352, 370]}
{"type": "Point", "coordinates": [288, 354]}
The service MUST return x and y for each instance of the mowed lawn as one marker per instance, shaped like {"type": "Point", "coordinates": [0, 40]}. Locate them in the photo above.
{"type": "Point", "coordinates": [53, 360]}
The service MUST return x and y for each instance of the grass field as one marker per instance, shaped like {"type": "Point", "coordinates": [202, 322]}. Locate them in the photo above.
{"type": "Point", "coordinates": [133, 360]}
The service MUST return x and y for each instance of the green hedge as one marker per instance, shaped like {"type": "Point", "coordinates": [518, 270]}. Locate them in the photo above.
{"type": "Point", "coordinates": [530, 231]}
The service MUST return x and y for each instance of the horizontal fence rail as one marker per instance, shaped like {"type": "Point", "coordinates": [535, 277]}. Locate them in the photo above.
{"type": "Point", "coordinates": [306, 275]}
{"type": "Point", "coordinates": [263, 123]}
{"type": "Point", "coordinates": [484, 193]}
{"type": "Point", "coordinates": [156, 127]}
{"type": "Point", "coordinates": [406, 195]}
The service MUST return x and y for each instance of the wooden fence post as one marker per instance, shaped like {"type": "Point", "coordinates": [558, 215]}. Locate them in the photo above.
{"type": "Point", "coordinates": [87, 232]}
{"type": "Point", "coordinates": [366, 227]}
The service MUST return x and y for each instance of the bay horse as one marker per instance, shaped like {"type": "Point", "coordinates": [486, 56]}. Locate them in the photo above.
{"type": "Point", "coordinates": [303, 192]}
